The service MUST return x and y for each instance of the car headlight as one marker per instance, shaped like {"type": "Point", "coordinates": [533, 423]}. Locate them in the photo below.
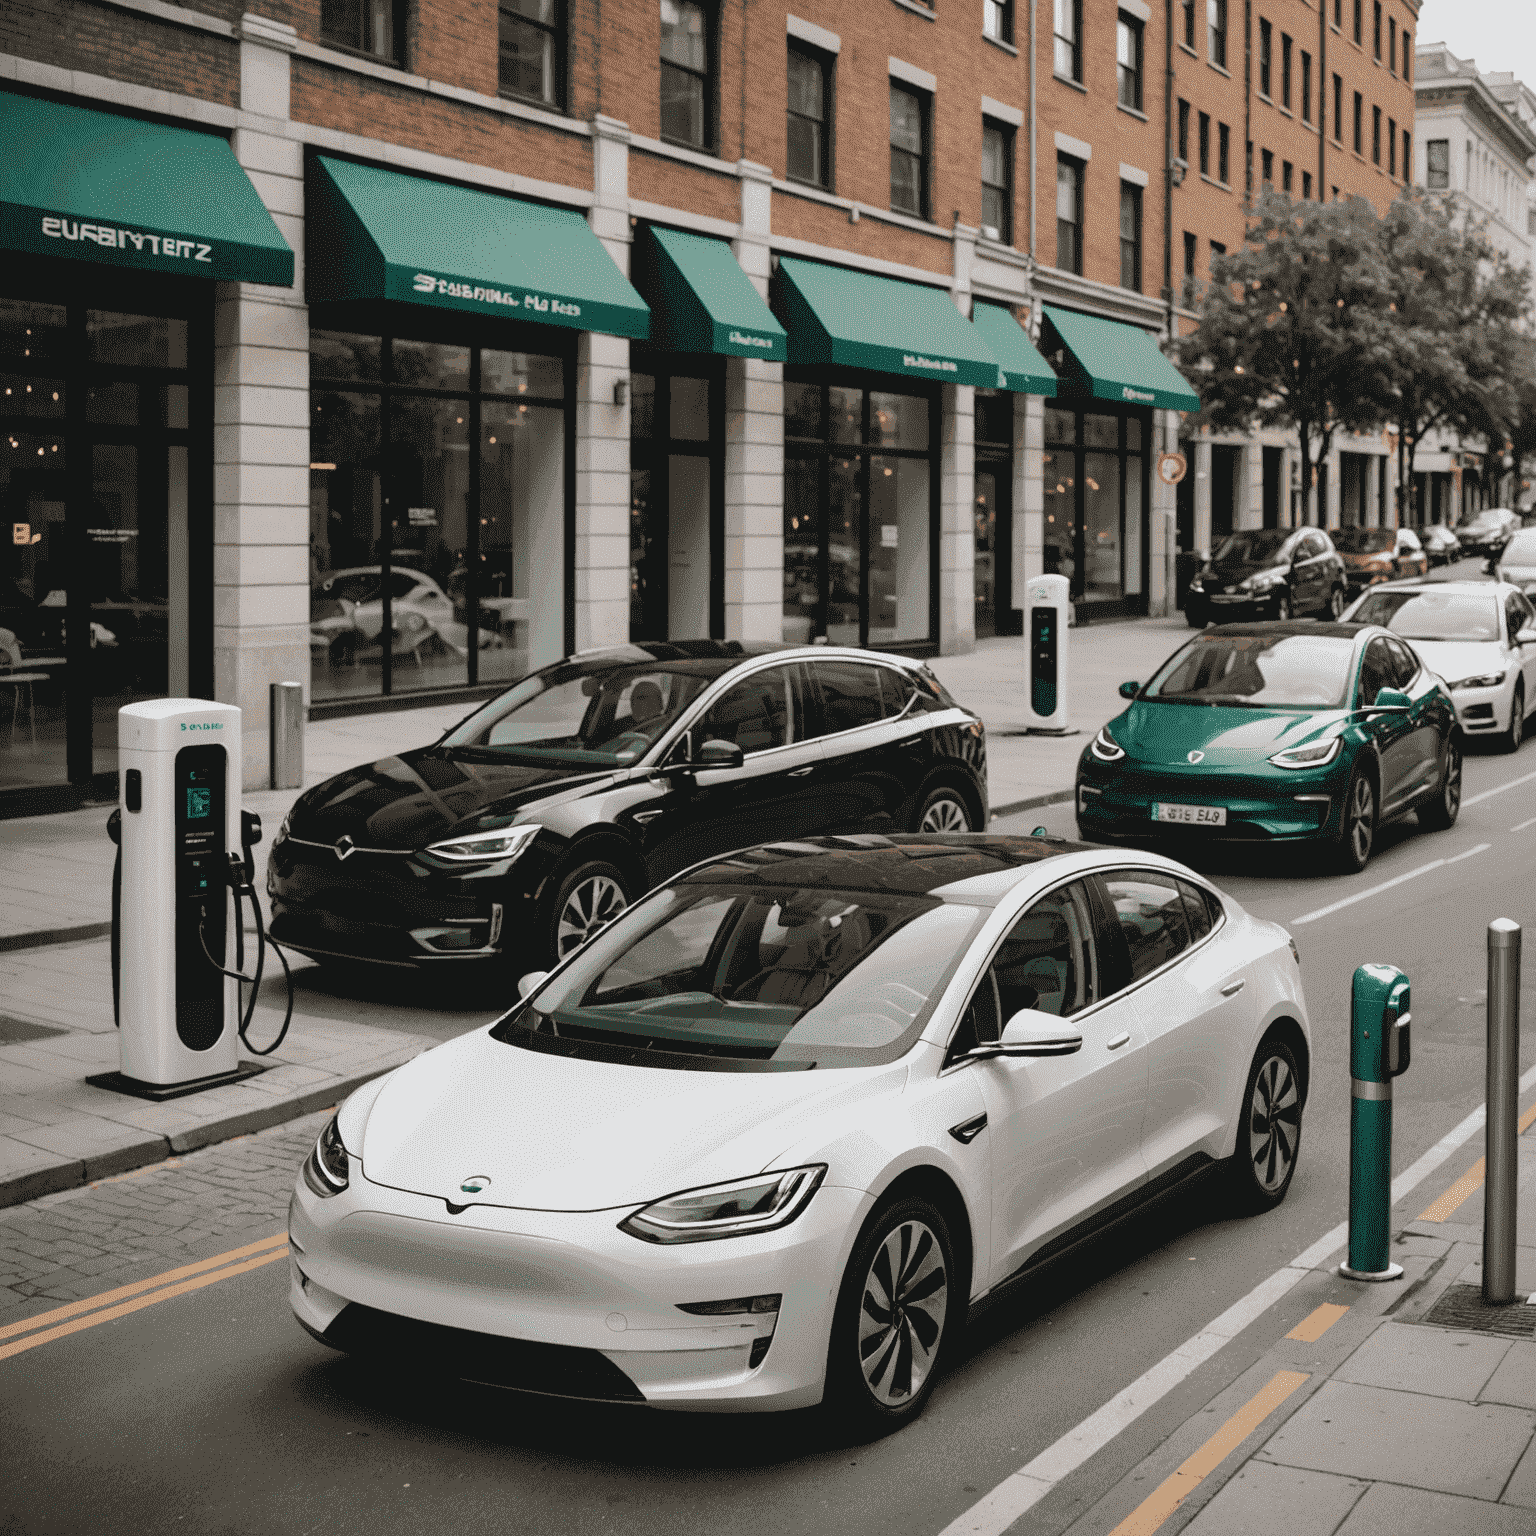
{"type": "Point", "coordinates": [327, 1169]}
{"type": "Point", "coordinates": [481, 847]}
{"type": "Point", "coordinates": [1265, 581]}
{"type": "Point", "coordinates": [1314, 755]}
{"type": "Point", "coordinates": [1106, 748]}
{"type": "Point", "coordinates": [736, 1209]}
{"type": "Point", "coordinates": [284, 832]}
{"type": "Point", "coordinates": [1482, 680]}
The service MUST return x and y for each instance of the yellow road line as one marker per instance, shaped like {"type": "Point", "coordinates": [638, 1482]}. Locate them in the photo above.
{"type": "Point", "coordinates": [1311, 1328]}
{"type": "Point", "coordinates": [33, 1340]}
{"type": "Point", "coordinates": [1448, 1203]}
{"type": "Point", "coordinates": [1159, 1505]}
{"type": "Point", "coordinates": [43, 1319]}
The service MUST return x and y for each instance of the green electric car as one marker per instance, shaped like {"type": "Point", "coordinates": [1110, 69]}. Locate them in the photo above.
{"type": "Point", "coordinates": [1293, 732]}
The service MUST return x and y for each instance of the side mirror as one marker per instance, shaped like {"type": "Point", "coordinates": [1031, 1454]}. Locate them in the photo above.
{"type": "Point", "coordinates": [1129, 690]}
{"type": "Point", "coordinates": [1393, 699]}
{"type": "Point", "coordinates": [713, 754]}
{"type": "Point", "coordinates": [1526, 637]}
{"type": "Point", "coordinates": [1033, 1033]}
{"type": "Point", "coordinates": [530, 983]}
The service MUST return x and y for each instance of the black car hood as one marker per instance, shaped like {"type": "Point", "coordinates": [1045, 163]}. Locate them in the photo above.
{"type": "Point", "coordinates": [417, 797]}
{"type": "Point", "coordinates": [1240, 570]}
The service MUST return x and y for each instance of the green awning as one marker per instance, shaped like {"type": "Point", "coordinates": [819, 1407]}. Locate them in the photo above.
{"type": "Point", "coordinates": [93, 186]}
{"type": "Point", "coordinates": [375, 234]}
{"type": "Point", "coordinates": [1110, 361]}
{"type": "Point", "coordinates": [857, 320]}
{"type": "Point", "coordinates": [701, 300]}
{"type": "Point", "coordinates": [1026, 371]}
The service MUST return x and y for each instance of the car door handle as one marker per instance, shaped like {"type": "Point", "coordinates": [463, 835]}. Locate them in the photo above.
{"type": "Point", "coordinates": [800, 773]}
{"type": "Point", "coordinates": [644, 816]}
{"type": "Point", "coordinates": [1232, 988]}
{"type": "Point", "coordinates": [1119, 1040]}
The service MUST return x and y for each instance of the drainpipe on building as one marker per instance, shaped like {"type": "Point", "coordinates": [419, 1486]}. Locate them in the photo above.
{"type": "Point", "coordinates": [1322, 102]}
{"type": "Point", "coordinates": [1248, 100]}
{"type": "Point", "coordinates": [1168, 165]}
{"type": "Point", "coordinates": [1034, 121]}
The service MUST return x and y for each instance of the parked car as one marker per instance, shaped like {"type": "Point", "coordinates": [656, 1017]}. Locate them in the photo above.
{"type": "Point", "coordinates": [1379, 554]}
{"type": "Point", "coordinates": [1272, 573]}
{"type": "Point", "coordinates": [346, 613]}
{"type": "Point", "coordinates": [1470, 633]}
{"type": "Point", "coordinates": [1516, 562]}
{"type": "Point", "coordinates": [547, 811]}
{"type": "Point", "coordinates": [1440, 544]}
{"type": "Point", "coordinates": [1488, 532]}
{"type": "Point", "coordinates": [634, 1188]}
{"type": "Point", "coordinates": [1306, 733]}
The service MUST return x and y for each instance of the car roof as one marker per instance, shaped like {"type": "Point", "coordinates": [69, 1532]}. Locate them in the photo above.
{"type": "Point", "coordinates": [1461, 586]}
{"type": "Point", "coordinates": [638, 652]}
{"type": "Point", "coordinates": [1331, 630]}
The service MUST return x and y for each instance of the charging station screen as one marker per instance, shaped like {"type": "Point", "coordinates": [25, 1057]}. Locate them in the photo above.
{"type": "Point", "coordinates": [201, 894]}
{"type": "Point", "coordinates": [1042, 660]}
{"type": "Point", "coordinates": [199, 804]}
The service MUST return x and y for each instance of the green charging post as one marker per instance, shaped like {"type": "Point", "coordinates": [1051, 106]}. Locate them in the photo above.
{"type": "Point", "coordinates": [1379, 1045]}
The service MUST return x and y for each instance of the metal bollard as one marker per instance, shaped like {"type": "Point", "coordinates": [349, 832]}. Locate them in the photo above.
{"type": "Point", "coordinates": [286, 734]}
{"type": "Point", "coordinates": [1379, 1048]}
{"type": "Point", "coordinates": [1503, 1110]}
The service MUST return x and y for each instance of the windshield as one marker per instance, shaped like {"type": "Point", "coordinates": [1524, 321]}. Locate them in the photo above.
{"type": "Point", "coordinates": [1420, 614]}
{"type": "Point", "coordinates": [1257, 672]}
{"type": "Point", "coordinates": [1363, 541]}
{"type": "Point", "coordinates": [605, 711]}
{"type": "Point", "coordinates": [1521, 549]}
{"type": "Point", "coordinates": [740, 976]}
{"type": "Point", "coordinates": [1252, 547]}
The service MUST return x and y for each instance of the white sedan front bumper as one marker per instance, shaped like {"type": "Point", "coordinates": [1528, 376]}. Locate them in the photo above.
{"type": "Point", "coordinates": [573, 1280]}
{"type": "Point", "coordinates": [1486, 711]}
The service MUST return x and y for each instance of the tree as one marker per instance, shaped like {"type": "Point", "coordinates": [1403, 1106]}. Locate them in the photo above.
{"type": "Point", "coordinates": [1522, 430]}
{"type": "Point", "coordinates": [1458, 303]}
{"type": "Point", "coordinates": [1296, 328]}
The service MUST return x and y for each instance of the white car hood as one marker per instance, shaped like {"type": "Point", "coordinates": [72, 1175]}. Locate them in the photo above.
{"type": "Point", "coordinates": [1456, 659]}
{"type": "Point", "coordinates": [556, 1134]}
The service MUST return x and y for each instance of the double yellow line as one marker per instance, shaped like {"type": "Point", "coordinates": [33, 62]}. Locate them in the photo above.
{"type": "Point", "coordinates": [15, 1338]}
{"type": "Point", "coordinates": [1471, 1181]}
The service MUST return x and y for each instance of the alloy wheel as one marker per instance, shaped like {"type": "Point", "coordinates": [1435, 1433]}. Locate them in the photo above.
{"type": "Point", "coordinates": [945, 815]}
{"type": "Point", "coordinates": [591, 904]}
{"type": "Point", "coordinates": [1452, 792]}
{"type": "Point", "coordinates": [1361, 819]}
{"type": "Point", "coordinates": [1336, 603]}
{"type": "Point", "coordinates": [1517, 721]}
{"type": "Point", "coordinates": [1274, 1123]}
{"type": "Point", "coordinates": [901, 1316]}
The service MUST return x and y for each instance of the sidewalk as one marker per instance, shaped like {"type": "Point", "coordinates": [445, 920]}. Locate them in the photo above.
{"type": "Point", "coordinates": [1386, 1410]}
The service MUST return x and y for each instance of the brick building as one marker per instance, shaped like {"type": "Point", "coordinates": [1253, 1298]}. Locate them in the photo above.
{"type": "Point", "coordinates": [401, 347]}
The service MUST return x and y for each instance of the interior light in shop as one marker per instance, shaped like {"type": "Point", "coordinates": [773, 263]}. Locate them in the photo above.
{"type": "Point", "coordinates": [887, 471]}
{"type": "Point", "coordinates": [493, 439]}
{"type": "Point", "coordinates": [1093, 484]}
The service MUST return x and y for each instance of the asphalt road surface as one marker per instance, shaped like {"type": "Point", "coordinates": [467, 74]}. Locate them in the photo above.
{"type": "Point", "coordinates": [207, 1409]}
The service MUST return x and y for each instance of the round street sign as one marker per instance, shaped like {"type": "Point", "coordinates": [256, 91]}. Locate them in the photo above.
{"type": "Point", "coordinates": [1171, 468]}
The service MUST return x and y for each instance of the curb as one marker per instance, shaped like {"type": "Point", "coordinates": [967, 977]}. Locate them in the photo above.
{"type": "Point", "coordinates": [38, 938]}
{"type": "Point", "coordinates": [72, 1173]}
{"type": "Point", "coordinates": [1058, 797]}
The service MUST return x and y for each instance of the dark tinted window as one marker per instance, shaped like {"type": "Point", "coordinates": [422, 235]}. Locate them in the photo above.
{"type": "Point", "coordinates": [1150, 911]}
{"type": "Point", "coordinates": [850, 694]}
{"type": "Point", "coordinates": [1376, 673]}
{"type": "Point", "coordinates": [1257, 544]}
{"type": "Point", "coordinates": [1198, 910]}
{"type": "Point", "coordinates": [1405, 666]}
{"type": "Point", "coordinates": [1048, 960]}
{"type": "Point", "coordinates": [1515, 610]}
{"type": "Point", "coordinates": [755, 714]}
{"type": "Point", "coordinates": [981, 1021]}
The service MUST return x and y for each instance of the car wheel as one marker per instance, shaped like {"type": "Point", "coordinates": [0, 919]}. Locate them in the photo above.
{"type": "Point", "coordinates": [588, 898]}
{"type": "Point", "coordinates": [1441, 812]}
{"type": "Point", "coordinates": [1195, 617]}
{"type": "Point", "coordinates": [1357, 831]}
{"type": "Point", "coordinates": [1269, 1133]}
{"type": "Point", "coordinates": [1335, 604]}
{"type": "Point", "coordinates": [893, 1321]}
{"type": "Point", "coordinates": [1511, 739]}
{"type": "Point", "coordinates": [944, 810]}
{"type": "Point", "coordinates": [1283, 607]}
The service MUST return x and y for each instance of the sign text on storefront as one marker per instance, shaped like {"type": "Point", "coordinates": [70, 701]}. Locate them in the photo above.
{"type": "Point", "coordinates": [938, 365]}
{"type": "Point", "coordinates": [452, 288]}
{"type": "Point", "coordinates": [116, 237]}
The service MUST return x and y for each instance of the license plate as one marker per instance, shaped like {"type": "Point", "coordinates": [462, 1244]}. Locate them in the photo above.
{"type": "Point", "coordinates": [1191, 815]}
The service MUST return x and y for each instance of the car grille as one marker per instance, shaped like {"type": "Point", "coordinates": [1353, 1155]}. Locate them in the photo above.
{"type": "Point", "coordinates": [368, 887]}
{"type": "Point", "coordinates": [560, 1370]}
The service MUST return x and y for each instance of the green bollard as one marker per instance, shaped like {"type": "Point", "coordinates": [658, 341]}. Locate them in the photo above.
{"type": "Point", "coordinates": [1378, 1052]}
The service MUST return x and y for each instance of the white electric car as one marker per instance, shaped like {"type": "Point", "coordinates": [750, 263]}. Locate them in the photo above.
{"type": "Point", "coordinates": [767, 1139]}
{"type": "Point", "coordinates": [1480, 636]}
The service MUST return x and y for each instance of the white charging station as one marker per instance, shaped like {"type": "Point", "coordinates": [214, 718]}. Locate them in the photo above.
{"type": "Point", "coordinates": [179, 769]}
{"type": "Point", "coordinates": [1047, 615]}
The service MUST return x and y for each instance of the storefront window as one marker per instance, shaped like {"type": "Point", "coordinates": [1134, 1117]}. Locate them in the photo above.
{"type": "Point", "coordinates": [859, 513]}
{"type": "Point", "coordinates": [437, 490]}
{"type": "Point", "coordinates": [995, 613]}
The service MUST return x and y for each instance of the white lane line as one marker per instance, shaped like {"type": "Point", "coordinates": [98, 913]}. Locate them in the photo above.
{"type": "Point", "coordinates": [1020, 1491]}
{"type": "Point", "coordinates": [1524, 824]}
{"type": "Point", "coordinates": [1498, 789]}
{"type": "Point", "coordinates": [1375, 890]}
{"type": "Point", "coordinates": [1456, 858]}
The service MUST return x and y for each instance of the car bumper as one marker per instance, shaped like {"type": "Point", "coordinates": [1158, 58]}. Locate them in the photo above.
{"type": "Point", "coordinates": [1233, 606]}
{"type": "Point", "coordinates": [1484, 711]}
{"type": "Point", "coordinates": [564, 1303]}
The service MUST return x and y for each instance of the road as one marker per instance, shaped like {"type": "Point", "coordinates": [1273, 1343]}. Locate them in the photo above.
{"type": "Point", "coordinates": [211, 1411]}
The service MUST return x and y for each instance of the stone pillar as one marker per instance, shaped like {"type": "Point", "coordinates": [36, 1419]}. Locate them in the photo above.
{"type": "Point", "coordinates": [1202, 473]}
{"type": "Point", "coordinates": [1162, 519]}
{"type": "Point", "coordinates": [1330, 513]}
{"type": "Point", "coordinates": [957, 520]}
{"type": "Point", "coordinates": [754, 446]}
{"type": "Point", "coordinates": [601, 554]}
{"type": "Point", "coordinates": [1248, 494]}
{"type": "Point", "coordinates": [261, 424]}
{"type": "Point", "coordinates": [1028, 492]}
{"type": "Point", "coordinates": [1370, 467]}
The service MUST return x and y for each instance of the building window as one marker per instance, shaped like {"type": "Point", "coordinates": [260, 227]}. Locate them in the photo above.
{"type": "Point", "coordinates": [1069, 214]}
{"type": "Point", "coordinates": [1376, 135]}
{"type": "Point", "coordinates": [1128, 61]}
{"type": "Point", "coordinates": [1392, 147]}
{"type": "Point", "coordinates": [1266, 51]}
{"type": "Point", "coordinates": [687, 106]}
{"type": "Point", "coordinates": [1306, 185]}
{"type": "Point", "coordinates": [1183, 130]}
{"type": "Point", "coordinates": [1285, 71]}
{"type": "Point", "coordinates": [1190, 253]}
{"type": "Point", "coordinates": [374, 27]}
{"type": "Point", "coordinates": [1359, 28]}
{"type": "Point", "coordinates": [1216, 29]}
{"type": "Point", "coordinates": [1407, 157]}
{"type": "Point", "coordinates": [808, 141]}
{"type": "Point", "coordinates": [1338, 14]}
{"type": "Point", "coordinates": [1189, 22]}
{"type": "Point", "coordinates": [1376, 33]}
{"type": "Point", "coordinates": [1306, 86]}
{"type": "Point", "coordinates": [1392, 44]}
{"type": "Point", "coordinates": [1407, 55]}
{"type": "Point", "coordinates": [1130, 236]}
{"type": "Point", "coordinates": [1267, 167]}
{"type": "Point", "coordinates": [1338, 109]}
{"type": "Point", "coordinates": [1217, 249]}
{"type": "Point", "coordinates": [1205, 143]}
{"type": "Point", "coordinates": [997, 20]}
{"type": "Point", "coordinates": [1069, 37]}
{"type": "Point", "coordinates": [1287, 177]}
{"type": "Point", "coordinates": [1438, 153]}
{"type": "Point", "coordinates": [1223, 154]}
{"type": "Point", "coordinates": [909, 151]}
{"type": "Point", "coordinates": [997, 182]}
{"type": "Point", "coordinates": [532, 40]}
{"type": "Point", "coordinates": [1359, 123]}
